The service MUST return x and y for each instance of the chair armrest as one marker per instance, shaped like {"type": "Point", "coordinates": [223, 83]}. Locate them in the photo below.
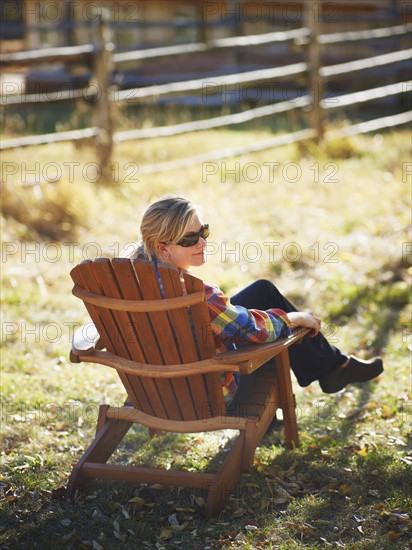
{"type": "Point", "coordinates": [129, 366]}
{"type": "Point", "coordinates": [244, 360]}
{"type": "Point", "coordinates": [85, 339]}
{"type": "Point", "coordinates": [252, 356]}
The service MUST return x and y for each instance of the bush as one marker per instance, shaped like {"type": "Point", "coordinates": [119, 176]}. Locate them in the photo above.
{"type": "Point", "coordinates": [53, 210]}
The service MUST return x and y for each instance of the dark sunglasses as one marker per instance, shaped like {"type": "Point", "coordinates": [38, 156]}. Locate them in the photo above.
{"type": "Point", "coordinates": [192, 238]}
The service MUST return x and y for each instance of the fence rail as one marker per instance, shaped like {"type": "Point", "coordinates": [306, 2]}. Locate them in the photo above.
{"type": "Point", "coordinates": [368, 63]}
{"type": "Point", "coordinates": [213, 45]}
{"type": "Point", "coordinates": [72, 54]}
{"type": "Point", "coordinates": [101, 58]}
{"type": "Point", "coordinates": [350, 36]}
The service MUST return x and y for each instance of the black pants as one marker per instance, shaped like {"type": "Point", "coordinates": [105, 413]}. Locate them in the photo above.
{"type": "Point", "coordinates": [310, 359]}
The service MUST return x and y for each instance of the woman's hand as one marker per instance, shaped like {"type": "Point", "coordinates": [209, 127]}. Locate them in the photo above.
{"type": "Point", "coordinates": [305, 319]}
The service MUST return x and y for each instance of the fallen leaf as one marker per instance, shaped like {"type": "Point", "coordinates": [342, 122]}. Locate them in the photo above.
{"type": "Point", "coordinates": [323, 522]}
{"type": "Point", "coordinates": [166, 534]}
{"type": "Point", "coordinates": [363, 451]}
{"type": "Point", "coordinates": [181, 526]}
{"type": "Point", "coordinates": [239, 513]}
{"type": "Point", "coordinates": [323, 437]}
{"type": "Point", "coordinates": [112, 505]}
{"type": "Point", "coordinates": [394, 535]}
{"type": "Point", "coordinates": [200, 501]}
{"type": "Point", "coordinates": [326, 454]}
{"type": "Point", "coordinates": [282, 493]}
{"type": "Point", "coordinates": [67, 538]}
{"type": "Point", "coordinates": [138, 502]}
{"type": "Point", "coordinates": [345, 490]}
{"type": "Point", "coordinates": [386, 412]}
{"type": "Point", "coordinates": [394, 517]}
{"type": "Point", "coordinates": [308, 529]}
{"type": "Point", "coordinates": [264, 503]}
{"type": "Point", "coordinates": [157, 486]}
{"type": "Point", "coordinates": [400, 518]}
{"type": "Point", "coordinates": [186, 510]}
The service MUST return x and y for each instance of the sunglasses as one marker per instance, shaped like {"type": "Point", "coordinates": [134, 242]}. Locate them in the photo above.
{"type": "Point", "coordinates": [192, 238]}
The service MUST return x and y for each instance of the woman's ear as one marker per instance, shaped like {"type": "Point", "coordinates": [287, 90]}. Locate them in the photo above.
{"type": "Point", "coordinates": [162, 250]}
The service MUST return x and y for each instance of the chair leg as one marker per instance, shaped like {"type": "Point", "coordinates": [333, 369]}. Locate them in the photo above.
{"type": "Point", "coordinates": [265, 396]}
{"type": "Point", "coordinates": [287, 400]}
{"type": "Point", "coordinates": [153, 432]}
{"type": "Point", "coordinates": [252, 440]}
{"type": "Point", "coordinates": [226, 478]}
{"type": "Point", "coordinates": [255, 433]}
{"type": "Point", "coordinates": [109, 434]}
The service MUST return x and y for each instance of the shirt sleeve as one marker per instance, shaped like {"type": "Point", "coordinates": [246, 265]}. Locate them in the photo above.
{"type": "Point", "coordinates": [238, 325]}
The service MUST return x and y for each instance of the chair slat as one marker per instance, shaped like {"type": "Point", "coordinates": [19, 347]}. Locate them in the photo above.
{"type": "Point", "coordinates": [140, 328]}
{"type": "Point", "coordinates": [83, 275]}
{"type": "Point", "coordinates": [191, 391]}
{"type": "Point", "coordinates": [140, 322]}
{"type": "Point", "coordinates": [201, 322]}
{"type": "Point", "coordinates": [157, 328]}
{"type": "Point", "coordinates": [160, 321]}
{"type": "Point", "coordinates": [201, 319]}
{"type": "Point", "coordinates": [110, 286]}
{"type": "Point", "coordinates": [179, 318]}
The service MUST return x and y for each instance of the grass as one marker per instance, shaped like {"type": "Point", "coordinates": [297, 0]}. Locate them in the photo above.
{"type": "Point", "coordinates": [330, 226]}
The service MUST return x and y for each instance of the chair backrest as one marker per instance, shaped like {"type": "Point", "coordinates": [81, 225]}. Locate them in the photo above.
{"type": "Point", "coordinates": [142, 313]}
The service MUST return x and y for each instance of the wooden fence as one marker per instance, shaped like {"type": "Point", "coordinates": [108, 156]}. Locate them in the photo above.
{"type": "Point", "coordinates": [102, 59]}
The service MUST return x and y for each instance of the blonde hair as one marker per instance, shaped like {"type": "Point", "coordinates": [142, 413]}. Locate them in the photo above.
{"type": "Point", "coordinates": [164, 221]}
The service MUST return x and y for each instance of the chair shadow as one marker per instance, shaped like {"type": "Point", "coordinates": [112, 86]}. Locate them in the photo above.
{"type": "Point", "coordinates": [325, 477]}
{"type": "Point", "coordinates": [346, 487]}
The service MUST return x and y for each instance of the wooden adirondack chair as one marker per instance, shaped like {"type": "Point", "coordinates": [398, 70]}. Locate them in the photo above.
{"type": "Point", "coordinates": [158, 338]}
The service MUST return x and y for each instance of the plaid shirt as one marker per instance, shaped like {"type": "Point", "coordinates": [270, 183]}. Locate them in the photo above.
{"type": "Point", "coordinates": [235, 325]}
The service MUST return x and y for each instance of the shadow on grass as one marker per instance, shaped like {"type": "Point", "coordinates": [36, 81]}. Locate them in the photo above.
{"type": "Point", "coordinates": [339, 492]}
{"type": "Point", "coordinates": [382, 301]}
{"type": "Point", "coordinates": [353, 494]}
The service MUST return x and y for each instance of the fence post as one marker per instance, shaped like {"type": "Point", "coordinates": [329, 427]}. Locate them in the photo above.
{"type": "Point", "coordinates": [313, 17]}
{"type": "Point", "coordinates": [102, 70]}
{"type": "Point", "coordinates": [202, 24]}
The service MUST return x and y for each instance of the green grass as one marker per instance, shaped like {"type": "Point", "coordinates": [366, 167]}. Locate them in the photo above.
{"type": "Point", "coordinates": [330, 226]}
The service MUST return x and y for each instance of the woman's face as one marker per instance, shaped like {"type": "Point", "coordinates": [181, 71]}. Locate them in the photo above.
{"type": "Point", "coordinates": [186, 256]}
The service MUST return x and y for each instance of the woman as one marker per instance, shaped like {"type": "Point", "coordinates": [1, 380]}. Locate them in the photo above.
{"type": "Point", "coordinates": [173, 233]}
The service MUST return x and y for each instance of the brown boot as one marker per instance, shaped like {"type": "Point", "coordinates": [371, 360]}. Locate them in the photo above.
{"type": "Point", "coordinates": [357, 370]}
